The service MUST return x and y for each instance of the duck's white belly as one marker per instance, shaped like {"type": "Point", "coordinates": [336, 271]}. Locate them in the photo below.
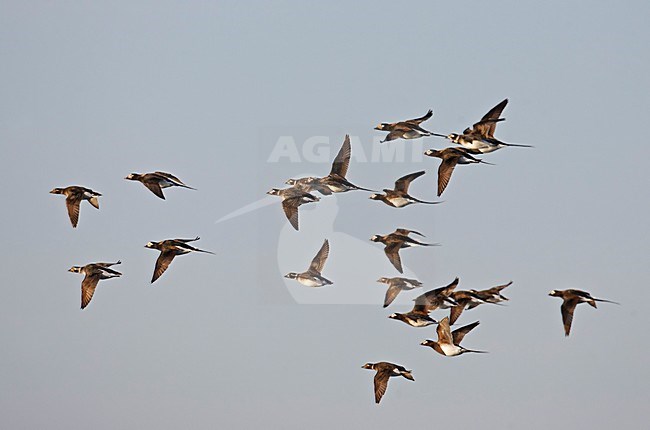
{"type": "Point", "coordinates": [480, 145]}
{"type": "Point", "coordinates": [309, 282]}
{"type": "Point", "coordinates": [400, 202]}
{"type": "Point", "coordinates": [419, 322]}
{"type": "Point", "coordinates": [450, 350]}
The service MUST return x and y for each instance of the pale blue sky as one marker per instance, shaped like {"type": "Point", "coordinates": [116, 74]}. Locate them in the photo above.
{"type": "Point", "coordinates": [93, 91]}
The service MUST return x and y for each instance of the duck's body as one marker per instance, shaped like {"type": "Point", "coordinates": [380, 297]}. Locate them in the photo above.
{"type": "Point", "coordinates": [335, 181]}
{"type": "Point", "coordinates": [491, 295]}
{"type": "Point", "coordinates": [157, 181]}
{"type": "Point", "coordinates": [399, 196]}
{"type": "Point", "coordinates": [309, 184]}
{"type": "Point", "coordinates": [396, 285]}
{"type": "Point", "coordinates": [312, 276]}
{"type": "Point", "coordinates": [74, 194]}
{"type": "Point", "coordinates": [448, 343]}
{"type": "Point", "coordinates": [338, 184]}
{"type": "Point", "coordinates": [169, 249]}
{"type": "Point", "coordinates": [395, 241]}
{"type": "Point", "coordinates": [480, 138]}
{"type": "Point", "coordinates": [426, 303]}
{"type": "Point", "coordinates": [439, 298]}
{"type": "Point", "coordinates": [477, 144]}
{"type": "Point", "coordinates": [385, 371]}
{"type": "Point", "coordinates": [415, 122]}
{"type": "Point", "coordinates": [406, 133]}
{"type": "Point", "coordinates": [450, 158]}
{"type": "Point", "coordinates": [570, 299]}
{"type": "Point", "coordinates": [94, 272]}
{"type": "Point", "coordinates": [409, 129]}
{"type": "Point", "coordinates": [414, 318]}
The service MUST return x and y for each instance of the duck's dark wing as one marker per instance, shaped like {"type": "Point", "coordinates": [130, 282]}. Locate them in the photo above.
{"type": "Point", "coordinates": [342, 160]}
{"type": "Point", "coordinates": [427, 302]}
{"type": "Point", "coordinates": [432, 299]}
{"type": "Point", "coordinates": [168, 176]}
{"type": "Point", "coordinates": [88, 286]}
{"type": "Point", "coordinates": [458, 334]}
{"type": "Point", "coordinates": [498, 288]}
{"type": "Point", "coordinates": [417, 121]}
{"type": "Point", "coordinates": [391, 294]}
{"type": "Point", "coordinates": [393, 135]}
{"type": "Point", "coordinates": [447, 289]}
{"type": "Point", "coordinates": [567, 308]}
{"type": "Point", "coordinates": [402, 184]}
{"type": "Point", "coordinates": [72, 203]}
{"type": "Point", "coordinates": [406, 232]}
{"type": "Point", "coordinates": [290, 207]}
{"type": "Point", "coordinates": [319, 260]}
{"type": "Point", "coordinates": [105, 265]}
{"type": "Point", "coordinates": [392, 252]}
{"type": "Point", "coordinates": [444, 173]}
{"type": "Point", "coordinates": [381, 383]}
{"type": "Point", "coordinates": [486, 126]}
{"type": "Point", "coordinates": [579, 293]}
{"type": "Point", "coordinates": [154, 187]}
{"type": "Point", "coordinates": [456, 311]}
{"type": "Point", "coordinates": [162, 263]}
{"type": "Point", "coordinates": [444, 331]}
{"type": "Point", "coordinates": [187, 240]}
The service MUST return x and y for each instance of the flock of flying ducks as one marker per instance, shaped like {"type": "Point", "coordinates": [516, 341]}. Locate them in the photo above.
{"type": "Point", "coordinates": [170, 248]}
{"type": "Point", "coordinates": [479, 139]}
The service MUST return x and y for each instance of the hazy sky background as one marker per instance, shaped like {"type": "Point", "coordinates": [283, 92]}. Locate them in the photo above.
{"type": "Point", "coordinates": [91, 92]}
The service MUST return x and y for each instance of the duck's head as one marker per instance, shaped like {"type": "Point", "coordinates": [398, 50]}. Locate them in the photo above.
{"type": "Point", "coordinates": [382, 280]}
{"type": "Point", "coordinates": [554, 293]}
{"type": "Point", "coordinates": [273, 192]}
{"type": "Point", "coordinates": [57, 191]}
{"type": "Point", "coordinates": [133, 176]}
{"type": "Point", "coordinates": [375, 196]}
{"type": "Point", "coordinates": [453, 137]}
{"type": "Point", "coordinates": [382, 126]}
{"type": "Point", "coordinates": [394, 316]}
{"type": "Point", "coordinates": [291, 182]}
{"type": "Point", "coordinates": [432, 153]}
{"type": "Point", "coordinates": [376, 238]}
{"type": "Point", "coordinates": [75, 269]}
{"type": "Point", "coordinates": [368, 366]}
{"type": "Point", "coordinates": [427, 342]}
{"type": "Point", "coordinates": [151, 245]}
{"type": "Point", "coordinates": [291, 275]}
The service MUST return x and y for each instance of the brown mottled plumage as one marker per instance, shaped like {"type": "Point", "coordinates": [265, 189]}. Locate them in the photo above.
{"type": "Point", "coordinates": [448, 343]}
{"type": "Point", "coordinates": [396, 285]}
{"type": "Point", "coordinates": [385, 370]}
{"type": "Point", "coordinates": [571, 299]}
{"type": "Point", "coordinates": [450, 158]}
{"type": "Point", "coordinates": [399, 197]}
{"type": "Point", "coordinates": [73, 196]}
{"type": "Point", "coordinates": [156, 181]}
{"type": "Point", "coordinates": [94, 272]}
{"type": "Point", "coordinates": [169, 249]}
{"type": "Point", "coordinates": [395, 241]}
{"type": "Point", "coordinates": [292, 199]}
